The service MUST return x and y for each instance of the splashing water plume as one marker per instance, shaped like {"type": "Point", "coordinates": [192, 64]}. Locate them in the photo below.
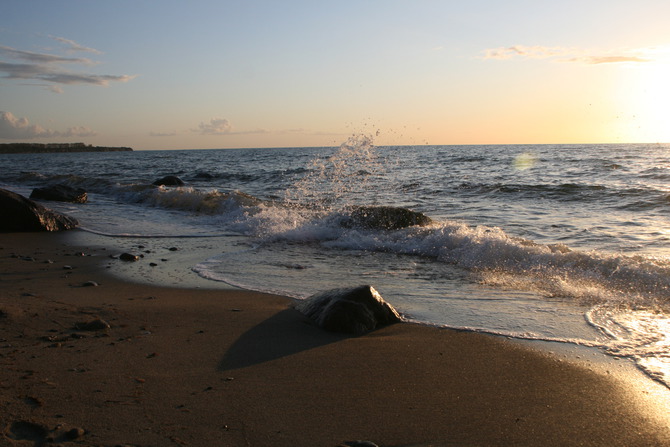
{"type": "Point", "coordinates": [339, 179]}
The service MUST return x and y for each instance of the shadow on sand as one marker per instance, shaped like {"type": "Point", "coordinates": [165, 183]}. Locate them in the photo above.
{"type": "Point", "coordinates": [285, 333]}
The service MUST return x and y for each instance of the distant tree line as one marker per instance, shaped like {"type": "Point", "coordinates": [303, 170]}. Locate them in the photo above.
{"type": "Point", "coordinates": [23, 148]}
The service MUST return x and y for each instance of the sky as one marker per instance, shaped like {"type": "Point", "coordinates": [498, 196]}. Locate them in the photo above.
{"type": "Point", "coordinates": [235, 74]}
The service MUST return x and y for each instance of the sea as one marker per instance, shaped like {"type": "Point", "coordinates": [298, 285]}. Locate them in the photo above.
{"type": "Point", "coordinates": [568, 244]}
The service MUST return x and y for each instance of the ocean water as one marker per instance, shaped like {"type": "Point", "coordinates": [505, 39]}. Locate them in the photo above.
{"type": "Point", "coordinates": [564, 243]}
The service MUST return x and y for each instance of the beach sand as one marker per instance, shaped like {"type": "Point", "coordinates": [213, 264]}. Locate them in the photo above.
{"type": "Point", "coordinates": [214, 367]}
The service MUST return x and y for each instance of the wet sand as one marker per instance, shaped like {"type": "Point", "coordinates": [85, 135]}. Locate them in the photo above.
{"type": "Point", "coordinates": [205, 367]}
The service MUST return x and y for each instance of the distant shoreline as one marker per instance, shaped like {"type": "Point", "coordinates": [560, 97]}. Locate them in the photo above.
{"type": "Point", "coordinates": [31, 148]}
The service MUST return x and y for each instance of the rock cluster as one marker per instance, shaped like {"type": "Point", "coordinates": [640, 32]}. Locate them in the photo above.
{"type": "Point", "coordinates": [20, 214]}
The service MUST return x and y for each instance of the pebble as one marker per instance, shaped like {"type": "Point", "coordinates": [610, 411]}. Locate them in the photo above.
{"type": "Point", "coordinates": [94, 325]}
{"type": "Point", "coordinates": [75, 433]}
{"type": "Point", "coordinates": [129, 257]}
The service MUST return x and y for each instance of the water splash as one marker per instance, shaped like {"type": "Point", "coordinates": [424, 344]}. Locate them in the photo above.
{"type": "Point", "coordinates": [341, 178]}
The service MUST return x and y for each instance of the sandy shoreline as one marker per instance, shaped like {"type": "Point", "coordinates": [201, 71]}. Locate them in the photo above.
{"type": "Point", "coordinates": [203, 367]}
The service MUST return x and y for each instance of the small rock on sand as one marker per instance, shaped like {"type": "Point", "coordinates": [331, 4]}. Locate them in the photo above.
{"type": "Point", "coordinates": [94, 325]}
{"type": "Point", "coordinates": [129, 257]}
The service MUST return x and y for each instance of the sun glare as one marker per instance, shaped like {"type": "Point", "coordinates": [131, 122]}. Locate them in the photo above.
{"type": "Point", "coordinates": [650, 103]}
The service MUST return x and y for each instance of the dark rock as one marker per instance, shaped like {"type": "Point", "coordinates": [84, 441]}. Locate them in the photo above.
{"type": "Point", "coordinates": [60, 193]}
{"type": "Point", "coordinates": [129, 257]}
{"type": "Point", "coordinates": [90, 284]}
{"type": "Point", "coordinates": [351, 310]}
{"type": "Point", "coordinates": [30, 431]}
{"type": "Point", "coordinates": [21, 214]}
{"type": "Point", "coordinates": [169, 180]}
{"type": "Point", "coordinates": [75, 433]}
{"type": "Point", "coordinates": [384, 218]}
{"type": "Point", "coordinates": [94, 325]}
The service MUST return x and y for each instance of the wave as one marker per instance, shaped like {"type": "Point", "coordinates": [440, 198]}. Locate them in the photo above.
{"type": "Point", "coordinates": [318, 209]}
{"type": "Point", "coordinates": [492, 255]}
{"type": "Point", "coordinates": [565, 191]}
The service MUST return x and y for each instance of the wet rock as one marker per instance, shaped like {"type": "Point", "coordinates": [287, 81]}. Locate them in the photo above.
{"type": "Point", "coordinates": [94, 325]}
{"type": "Point", "coordinates": [384, 218]}
{"type": "Point", "coordinates": [20, 214]}
{"type": "Point", "coordinates": [129, 257]}
{"type": "Point", "coordinates": [90, 284]}
{"type": "Point", "coordinates": [60, 193]}
{"type": "Point", "coordinates": [351, 310]}
{"type": "Point", "coordinates": [169, 180]}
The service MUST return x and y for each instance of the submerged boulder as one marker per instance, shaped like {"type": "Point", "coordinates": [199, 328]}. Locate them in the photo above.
{"type": "Point", "coordinates": [60, 193]}
{"type": "Point", "coordinates": [385, 218]}
{"type": "Point", "coordinates": [169, 180]}
{"type": "Point", "coordinates": [354, 310]}
{"type": "Point", "coordinates": [21, 214]}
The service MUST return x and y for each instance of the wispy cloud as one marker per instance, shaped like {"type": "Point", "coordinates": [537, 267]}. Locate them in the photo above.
{"type": "Point", "coordinates": [215, 126]}
{"type": "Point", "coordinates": [595, 60]}
{"type": "Point", "coordinates": [222, 126]}
{"type": "Point", "coordinates": [41, 58]}
{"type": "Point", "coordinates": [522, 51]}
{"type": "Point", "coordinates": [12, 127]}
{"type": "Point", "coordinates": [74, 47]}
{"type": "Point", "coordinates": [163, 134]}
{"type": "Point", "coordinates": [565, 54]}
{"type": "Point", "coordinates": [47, 67]}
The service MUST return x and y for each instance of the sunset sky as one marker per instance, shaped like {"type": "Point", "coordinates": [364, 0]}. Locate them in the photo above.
{"type": "Point", "coordinates": [228, 74]}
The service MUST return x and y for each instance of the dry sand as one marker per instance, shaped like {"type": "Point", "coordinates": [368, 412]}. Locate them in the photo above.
{"type": "Point", "coordinates": [184, 367]}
